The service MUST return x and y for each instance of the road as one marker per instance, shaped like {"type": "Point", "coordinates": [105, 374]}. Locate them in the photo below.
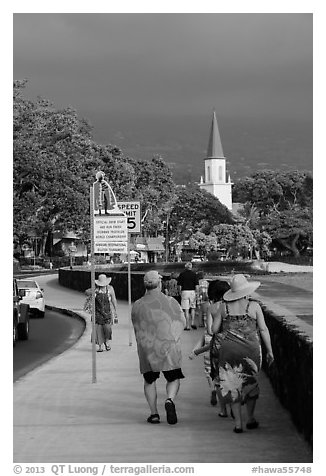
{"type": "Point", "coordinates": [48, 337]}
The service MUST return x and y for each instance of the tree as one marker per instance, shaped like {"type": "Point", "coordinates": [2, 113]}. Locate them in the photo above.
{"type": "Point", "coordinates": [154, 187]}
{"type": "Point", "coordinates": [203, 243]}
{"type": "Point", "coordinates": [196, 210]}
{"type": "Point", "coordinates": [288, 227]}
{"type": "Point", "coordinates": [283, 201]}
{"type": "Point", "coordinates": [272, 190]}
{"type": "Point", "coordinates": [55, 161]}
{"type": "Point", "coordinates": [236, 239]}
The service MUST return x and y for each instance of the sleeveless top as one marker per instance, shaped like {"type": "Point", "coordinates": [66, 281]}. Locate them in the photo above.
{"type": "Point", "coordinates": [243, 326]}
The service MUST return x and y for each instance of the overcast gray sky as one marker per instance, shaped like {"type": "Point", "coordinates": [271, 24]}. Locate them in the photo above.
{"type": "Point", "coordinates": [244, 65]}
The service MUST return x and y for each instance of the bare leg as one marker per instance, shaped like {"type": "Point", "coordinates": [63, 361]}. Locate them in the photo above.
{"type": "Point", "coordinates": [172, 389]}
{"type": "Point", "coordinates": [221, 401]}
{"type": "Point", "coordinates": [186, 312]}
{"type": "Point", "coordinates": [236, 408]}
{"type": "Point", "coordinates": [251, 405]}
{"type": "Point", "coordinates": [151, 396]}
{"type": "Point", "coordinates": [193, 314]}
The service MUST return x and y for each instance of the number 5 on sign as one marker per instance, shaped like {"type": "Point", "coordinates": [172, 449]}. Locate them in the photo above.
{"type": "Point", "coordinates": [132, 212]}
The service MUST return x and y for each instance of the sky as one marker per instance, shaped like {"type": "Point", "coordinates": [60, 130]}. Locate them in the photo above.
{"type": "Point", "coordinates": [169, 63]}
{"type": "Point", "coordinates": [148, 82]}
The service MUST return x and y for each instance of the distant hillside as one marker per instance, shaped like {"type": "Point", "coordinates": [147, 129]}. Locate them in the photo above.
{"type": "Point", "coordinates": [247, 144]}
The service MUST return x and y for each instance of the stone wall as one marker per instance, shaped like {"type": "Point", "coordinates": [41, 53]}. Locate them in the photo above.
{"type": "Point", "coordinates": [291, 374]}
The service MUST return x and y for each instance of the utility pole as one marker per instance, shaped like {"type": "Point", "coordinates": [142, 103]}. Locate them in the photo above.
{"type": "Point", "coordinates": [167, 238]}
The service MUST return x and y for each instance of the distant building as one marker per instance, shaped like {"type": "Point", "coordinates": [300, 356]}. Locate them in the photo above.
{"type": "Point", "coordinates": [216, 181]}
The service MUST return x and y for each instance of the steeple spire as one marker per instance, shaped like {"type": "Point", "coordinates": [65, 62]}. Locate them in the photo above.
{"type": "Point", "coordinates": [214, 149]}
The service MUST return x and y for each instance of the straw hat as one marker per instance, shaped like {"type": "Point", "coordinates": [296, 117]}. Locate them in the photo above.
{"type": "Point", "coordinates": [103, 280]}
{"type": "Point", "coordinates": [240, 288]}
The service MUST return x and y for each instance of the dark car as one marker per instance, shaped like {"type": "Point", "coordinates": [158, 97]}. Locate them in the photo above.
{"type": "Point", "coordinates": [20, 316]}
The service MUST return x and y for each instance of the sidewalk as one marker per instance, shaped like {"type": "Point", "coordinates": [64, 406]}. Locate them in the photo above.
{"type": "Point", "coordinates": [61, 416]}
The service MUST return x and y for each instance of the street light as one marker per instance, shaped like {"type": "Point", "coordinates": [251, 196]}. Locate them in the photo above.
{"type": "Point", "coordinates": [72, 250]}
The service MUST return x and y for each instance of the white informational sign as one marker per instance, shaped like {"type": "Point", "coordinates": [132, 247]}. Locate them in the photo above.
{"type": "Point", "coordinates": [109, 229]}
{"type": "Point", "coordinates": [132, 211]}
{"type": "Point", "coordinates": [112, 248]}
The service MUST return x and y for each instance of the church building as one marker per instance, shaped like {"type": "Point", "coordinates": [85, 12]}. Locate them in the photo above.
{"type": "Point", "coordinates": [217, 181]}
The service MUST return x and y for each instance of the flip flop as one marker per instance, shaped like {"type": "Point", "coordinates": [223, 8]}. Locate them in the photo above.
{"type": "Point", "coordinates": [252, 425]}
{"type": "Point", "coordinates": [171, 415]}
{"type": "Point", "coordinates": [154, 418]}
{"type": "Point", "coordinates": [213, 398]}
{"type": "Point", "coordinates": [237, 430]}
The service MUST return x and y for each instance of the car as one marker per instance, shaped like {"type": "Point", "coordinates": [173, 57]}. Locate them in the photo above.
{"type": "Point", "coordinates": [20, 316]}
{"type": "Point", "coordinates": [33, 295]}
{"type": "Point", "coordinates": [196, 259]}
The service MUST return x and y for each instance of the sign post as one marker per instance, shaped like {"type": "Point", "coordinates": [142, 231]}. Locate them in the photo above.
{"type": "Point", "coordinates": [132, 211]}
{"type": "Point", "coordinates": [108, 229]}
{"type": "Point", "coordinates": [93, 287]}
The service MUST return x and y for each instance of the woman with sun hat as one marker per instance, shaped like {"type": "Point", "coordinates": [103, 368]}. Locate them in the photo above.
{"type": "Point", "coordinates": [239, 324]}
{"type": "Point", "coordinates": [105, 311]}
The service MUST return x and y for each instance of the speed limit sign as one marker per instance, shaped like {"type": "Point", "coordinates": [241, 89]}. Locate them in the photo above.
{"type": "Point", "coordinates": [132, 212]}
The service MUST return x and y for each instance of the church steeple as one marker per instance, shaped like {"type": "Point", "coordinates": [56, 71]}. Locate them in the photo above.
{"type": "Point", "coordinates": [214, 150]}
{"type": "Point", "coordinates": [216, 182]}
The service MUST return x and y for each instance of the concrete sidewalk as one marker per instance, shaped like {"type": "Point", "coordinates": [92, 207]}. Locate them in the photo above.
{"type": "Point", "coordinates": [61, 416]}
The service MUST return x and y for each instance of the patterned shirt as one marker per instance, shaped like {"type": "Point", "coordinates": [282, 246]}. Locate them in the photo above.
{"type": "Point", "coordinates": [158, 322]}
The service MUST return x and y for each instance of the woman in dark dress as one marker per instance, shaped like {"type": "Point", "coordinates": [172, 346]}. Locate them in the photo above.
{"type": "Point", "coordinates": [240, 324]}
{"type": "Point", "coordinates": [105, 311]}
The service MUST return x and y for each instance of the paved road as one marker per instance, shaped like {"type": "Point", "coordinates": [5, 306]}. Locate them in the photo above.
{"type": "Point", "coordinates": [48, 337]}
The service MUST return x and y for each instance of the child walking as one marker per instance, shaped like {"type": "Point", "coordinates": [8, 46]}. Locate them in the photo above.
{"type": "Point", "coordinates": [205, 341]}
{"type": "Point", "coordinates": [216, 290]}
{"type": "Point", "coordinates": [203, 301]}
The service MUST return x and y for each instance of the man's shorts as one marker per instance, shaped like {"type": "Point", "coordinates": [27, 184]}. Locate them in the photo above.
{"type": "Point", "coordinates": [170, 375]}
{"type": "Point", "coordinates": [188, 299]}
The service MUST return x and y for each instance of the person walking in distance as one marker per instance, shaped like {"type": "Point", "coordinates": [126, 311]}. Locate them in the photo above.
{"type": "Point", "coordinates": [158, 323]}
{"type": "Point", "coordinates": [105, 310]}
{"type": "Point", "coordinates": [189, 286]}
{"type": "Point", "coordinates": [202, 302]}
{"type": "Point", "coordinates": [172, 288]}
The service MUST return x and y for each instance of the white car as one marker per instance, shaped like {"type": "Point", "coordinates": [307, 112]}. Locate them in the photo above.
{"type": "Point", "coordinates": [32, 295]}
{"type": "Point", "coordinates": [196, 259]}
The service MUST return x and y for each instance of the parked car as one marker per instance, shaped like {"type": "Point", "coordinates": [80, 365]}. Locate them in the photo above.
{"type": "Point", "coordinates": [197, 259]}
{"type": "Point", "coordinates": [33, 295]}
{"type": "Point", "coordinates": [20, 316]}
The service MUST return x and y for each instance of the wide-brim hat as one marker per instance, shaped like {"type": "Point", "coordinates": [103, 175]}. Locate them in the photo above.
{"type": "Point", "coordinates": [103, 280]}
{"type": "Point", "coordinates": [240, 288]}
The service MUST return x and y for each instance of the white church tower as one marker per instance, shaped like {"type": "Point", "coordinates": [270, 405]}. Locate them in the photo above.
{"type": "Point", "coordinates": [216, 181]}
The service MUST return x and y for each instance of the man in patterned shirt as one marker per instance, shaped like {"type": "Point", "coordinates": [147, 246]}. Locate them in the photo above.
{"type": "Point", "coordinates": [158, 322]}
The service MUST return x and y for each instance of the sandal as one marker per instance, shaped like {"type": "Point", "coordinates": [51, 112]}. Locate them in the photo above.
{"type": "Point", "coordinates": [154, 418]}
{"type": "Point", "coordinates": [237, 430]}
{"type": "Point", "coordinates": [213, 398]}
{"type": "Point", "coordinates": [223, 415]}
{"type": "Point", "coordinates": [252, 425]}
{"type": "Point", "coordinates": [171, 415]}
{"type": "Point", "coordinates": [107, 347]}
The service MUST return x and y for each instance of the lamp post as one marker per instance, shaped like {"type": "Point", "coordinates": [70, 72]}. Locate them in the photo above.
{"type": "Point", "coordinates": [167, 238]}
{"type": "Point", "coordinates": [72, 250]}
